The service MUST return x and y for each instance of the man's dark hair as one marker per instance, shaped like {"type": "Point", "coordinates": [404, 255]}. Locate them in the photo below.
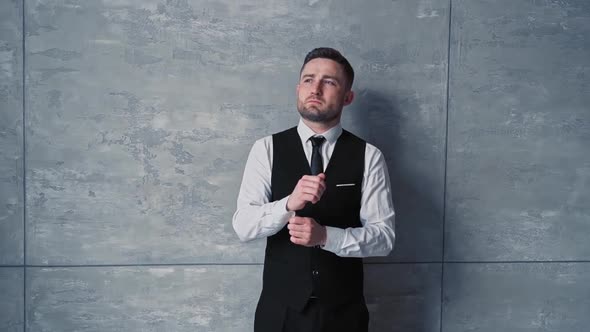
{"type": "Point", "coordinates": [332, 54]}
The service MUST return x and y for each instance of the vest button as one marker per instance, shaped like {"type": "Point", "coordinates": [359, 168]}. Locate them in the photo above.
{"type": "Point", "coordinates": [315, 272]}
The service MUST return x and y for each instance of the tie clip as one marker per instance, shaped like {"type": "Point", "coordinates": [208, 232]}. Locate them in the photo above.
{"type": "Point", "coordinates": [345, 185]}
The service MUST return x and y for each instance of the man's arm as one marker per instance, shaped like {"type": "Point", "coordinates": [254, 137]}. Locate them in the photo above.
{"type": "Point", "coordinates": [256, 216]}
{"type": "Point", "coordinates": [377, 236]}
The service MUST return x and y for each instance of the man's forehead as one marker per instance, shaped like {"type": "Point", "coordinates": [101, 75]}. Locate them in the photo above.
{"type": "Point", "coordinates": [322, 65]}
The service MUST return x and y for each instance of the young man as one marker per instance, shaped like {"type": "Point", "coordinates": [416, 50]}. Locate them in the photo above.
{"type": "Point", "coordinates": [321, 196]}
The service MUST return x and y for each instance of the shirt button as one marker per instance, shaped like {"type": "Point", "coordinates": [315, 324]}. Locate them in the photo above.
{"type": "Point", "coordinates": [315, 272]}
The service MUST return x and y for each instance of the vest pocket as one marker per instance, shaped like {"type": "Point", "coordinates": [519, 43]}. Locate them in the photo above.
{"type": "Point", "coordinates": [344, 197]}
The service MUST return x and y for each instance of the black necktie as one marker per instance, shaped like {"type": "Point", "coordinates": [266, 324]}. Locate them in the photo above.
{"type": "Point", "coordinates": [317, 166]}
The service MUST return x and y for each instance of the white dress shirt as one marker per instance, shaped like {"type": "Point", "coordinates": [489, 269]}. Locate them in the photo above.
{"type": "Point", "coordinates": [257, 217]}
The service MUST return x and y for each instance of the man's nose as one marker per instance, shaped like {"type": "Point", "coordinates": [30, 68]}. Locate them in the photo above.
{"type": "Point", "coordinates": [316, 88]}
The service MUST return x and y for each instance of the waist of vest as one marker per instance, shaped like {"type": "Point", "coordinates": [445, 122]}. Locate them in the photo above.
{"type": "Point", "coordinates": [292, 273]}
{"type": "Point", "coordinates": [293, 281]}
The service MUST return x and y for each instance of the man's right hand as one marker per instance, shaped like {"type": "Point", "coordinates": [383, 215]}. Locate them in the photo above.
{"type": "Point", "coordinates": [308, 189]}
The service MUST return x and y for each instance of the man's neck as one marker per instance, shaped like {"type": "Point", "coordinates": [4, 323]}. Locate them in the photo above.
{"type": "Point", "coordinates": [320, 128]}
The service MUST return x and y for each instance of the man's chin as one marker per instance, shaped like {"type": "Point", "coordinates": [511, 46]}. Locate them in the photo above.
{"type": "Point", "coordinates": [313, 106]}
{"type": "Point", "coordinates": [317, 116]}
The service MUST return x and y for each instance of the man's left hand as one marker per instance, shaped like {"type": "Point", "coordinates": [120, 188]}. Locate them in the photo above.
{"type": "Point", "coordinates": [306, 232]}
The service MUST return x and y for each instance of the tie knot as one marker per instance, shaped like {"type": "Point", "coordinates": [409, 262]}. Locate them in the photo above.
{"type": "Point", "coordinates": [317, 141]}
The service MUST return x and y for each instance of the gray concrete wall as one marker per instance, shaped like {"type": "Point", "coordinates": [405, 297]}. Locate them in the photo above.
{"type": "Point", "coordinates": [125, 126]}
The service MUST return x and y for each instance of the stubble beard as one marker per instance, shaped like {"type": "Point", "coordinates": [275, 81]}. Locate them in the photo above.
{"type": "Point", "coordinates": [316, 115]}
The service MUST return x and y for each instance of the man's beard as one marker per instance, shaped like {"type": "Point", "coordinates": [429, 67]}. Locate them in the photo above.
{"type": "Point", "coordinates": [315, 115]}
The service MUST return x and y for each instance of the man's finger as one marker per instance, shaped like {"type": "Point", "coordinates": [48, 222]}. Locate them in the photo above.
{"type": "Point", "coordinates": [299, 220]}
{"type": "Point", "coordinates": [311, 190]}
{"type": "Point", "coordinates": [300, 242]}
{"type": "Point", "coordinates": [297, 241]}
{"type": "Point", "coordinates": [313, 178]}
{"type": "Point", "coordinates": [299, 235]}
{"type": "Point", "coordinates": [311, 197]}
{"type": "Point", "coordinates": [313, 185]}
{"type": "Point", "coordinates": [308, 198]}
{"type": "Point", "coordinates": [298, 228]}
{"type": "Point", "coordinates": [319, 191]}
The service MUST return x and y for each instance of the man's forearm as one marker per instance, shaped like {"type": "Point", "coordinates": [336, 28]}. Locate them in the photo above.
{"type": "Point", "coordinates": [257, 221]}
{"type": "Point", "coordinates": [366, 241]}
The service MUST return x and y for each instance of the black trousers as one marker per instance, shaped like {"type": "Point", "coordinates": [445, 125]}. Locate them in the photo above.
{"type": "Point", "coordinates": [272, 316]}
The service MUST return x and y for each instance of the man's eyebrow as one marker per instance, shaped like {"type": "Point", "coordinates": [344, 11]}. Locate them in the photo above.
{"type": "Point", "coordinates": [332, 78]}
{"type": "Point", "coordinates": [323, 77]}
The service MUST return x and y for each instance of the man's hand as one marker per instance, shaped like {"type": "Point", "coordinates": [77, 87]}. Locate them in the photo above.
{"type": "Point", "coordinates": [308, 189]}
{"type": "Point", "coordinates": [306, 232]}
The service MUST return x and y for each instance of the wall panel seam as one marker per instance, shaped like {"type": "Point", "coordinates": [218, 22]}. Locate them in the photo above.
{"type": "Point", "coordinates": [24, 165]}
{"type": "Point", "coordinates": [24, 183]}
{"type": "Point", "coordinates": [442, 268]}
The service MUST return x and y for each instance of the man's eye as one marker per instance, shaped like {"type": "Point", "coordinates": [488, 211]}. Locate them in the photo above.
{"type": "Point", "coordinates": [307, 80]}
{"type": "Point", "coordinates": [330, 82]}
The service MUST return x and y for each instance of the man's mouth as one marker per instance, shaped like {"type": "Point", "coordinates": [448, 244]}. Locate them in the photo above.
{"type": "Point", "coordinates": [314, 101]}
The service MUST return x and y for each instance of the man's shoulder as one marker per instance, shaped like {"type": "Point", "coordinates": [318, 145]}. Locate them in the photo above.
{"type": "Point", "coordinates": [262, 144]}
{"type": "Point", "coordinates": [266, 142]}
{"type": "Point", "coordinates": [352, 138]}
{"type": "Point", "coordinates": [351, 135]}
{"type": "Point", "coordinates": [373, 150]}
{"type": "Point", "coordinates": [370, 149]}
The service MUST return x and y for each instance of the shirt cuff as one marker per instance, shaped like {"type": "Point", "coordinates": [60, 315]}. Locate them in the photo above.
{"type": "Point", "coordinates": [279, 211]}
{"type": "Point", "coordinates": [334, 238]}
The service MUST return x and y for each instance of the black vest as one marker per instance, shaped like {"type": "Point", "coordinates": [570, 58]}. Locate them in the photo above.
{"type": "Point", "coordinates": [292, 273]}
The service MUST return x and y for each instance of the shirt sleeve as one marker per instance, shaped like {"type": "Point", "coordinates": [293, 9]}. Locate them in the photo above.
{"type": "Point", "coordinates": [377, 236]}
{"type": "Point", "coordinates": [255, 216]}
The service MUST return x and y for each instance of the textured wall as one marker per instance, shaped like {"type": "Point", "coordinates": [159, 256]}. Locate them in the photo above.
{"type": "Point", "coordinates": [11, 168]}
{"type": "Point", "coordinates": [139, 116]}
{"type": "Point", "coordinates": [519, 128]}
{"type": "Point", "coordinates": [518, 169]}
{"type": "Point", "coordinates": [11, 133]}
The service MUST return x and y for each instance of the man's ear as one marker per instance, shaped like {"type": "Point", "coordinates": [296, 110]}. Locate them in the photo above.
{"type": "Point", "coordinates": [349, 97]}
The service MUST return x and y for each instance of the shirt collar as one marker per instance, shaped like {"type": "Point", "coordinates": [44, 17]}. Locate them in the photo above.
{"type": "Point", "coordinates": [331, 135]}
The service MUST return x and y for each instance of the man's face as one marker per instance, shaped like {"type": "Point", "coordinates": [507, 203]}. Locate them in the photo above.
{"type": "Point", "coordinates": [322, 91]}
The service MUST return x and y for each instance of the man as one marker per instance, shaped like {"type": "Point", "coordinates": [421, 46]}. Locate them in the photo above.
{"type": "Point", "coordinates": [321, 196]}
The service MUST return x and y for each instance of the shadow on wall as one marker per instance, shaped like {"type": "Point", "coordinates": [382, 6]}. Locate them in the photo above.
{"type": "Point", "coordinates": [413, 153]}
{"type": "Point", "coordinates": [400, 297]}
